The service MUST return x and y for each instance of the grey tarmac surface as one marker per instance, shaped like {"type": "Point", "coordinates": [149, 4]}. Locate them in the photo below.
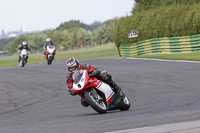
{"type": "Point", "coordinates": [34, 99]}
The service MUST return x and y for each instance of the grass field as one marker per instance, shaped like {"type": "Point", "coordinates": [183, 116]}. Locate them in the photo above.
{"type": "Point", "coordinates": [102, 50]}
{"type": "Point", "coordinates": [185, 56]}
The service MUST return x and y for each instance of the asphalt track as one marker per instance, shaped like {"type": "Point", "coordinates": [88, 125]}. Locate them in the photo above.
{"type": "Point", "coordinates": [34, 99]}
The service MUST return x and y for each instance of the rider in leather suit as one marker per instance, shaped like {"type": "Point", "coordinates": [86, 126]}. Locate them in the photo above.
{"type": "Point", "coordinates": [73, 65]}
{"type": "Point", "coordinates": [47, 43]}
{"type": "Point", "coordinates": [23, 46]}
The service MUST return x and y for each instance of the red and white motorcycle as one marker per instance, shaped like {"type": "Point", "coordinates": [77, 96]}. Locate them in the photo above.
{"type": "Point", "coordinates": [50, 53]}
{"type": "Point", "coordinates": [98, 94]}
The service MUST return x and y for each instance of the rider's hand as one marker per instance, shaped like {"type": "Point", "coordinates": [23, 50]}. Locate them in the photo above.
{"type": "Point", "coordinates": [94, 73]}
{"type": "Point", "coordinates": [72, 92]}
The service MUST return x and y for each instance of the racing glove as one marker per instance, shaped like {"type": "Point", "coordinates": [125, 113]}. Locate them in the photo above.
{"type": "Point", "coordinates": [94, 73]}
{"type": "Point", "coordinates": [72, 93]}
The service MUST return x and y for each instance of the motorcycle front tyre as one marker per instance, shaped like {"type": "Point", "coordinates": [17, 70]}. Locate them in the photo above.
{"type": "Point", "coordinates": [49, 62]}
{"type": "Point", "coordinates": [95, 104]}
{"type": "Point", "coordinates": [22, 63]}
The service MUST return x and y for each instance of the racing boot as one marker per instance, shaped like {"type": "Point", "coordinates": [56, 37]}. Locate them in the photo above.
{"type": "Point", "coordinates": [116, 89]}
{"type": "Point", "coordinates": [19, 61]}
{"type": "Point", "coordinates": [19, 58]}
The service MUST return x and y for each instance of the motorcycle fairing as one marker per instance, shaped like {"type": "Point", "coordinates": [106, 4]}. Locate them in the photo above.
{"type": "Point", "coordinates": [113, 101]}
{"type": "Point", "coordinates": [81, 83]}
{"type": "Point", "coordinates": [107, 91]}
{"type": "Point", "coordinates": [51, 49]}
{"type": "Point", "coordinates": [24, 54]}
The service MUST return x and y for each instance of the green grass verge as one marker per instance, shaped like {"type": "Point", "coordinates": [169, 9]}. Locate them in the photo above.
{"type": "Point", "coordinates": [185, 56]}
{"type": "Point", "coordinates": [102, 50]}
{"type": "Point", "coordinates": [104, 58]}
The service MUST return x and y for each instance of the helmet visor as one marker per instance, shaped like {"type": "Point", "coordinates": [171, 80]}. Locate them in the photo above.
{"type": "Point", "coordinates": [71, 69]}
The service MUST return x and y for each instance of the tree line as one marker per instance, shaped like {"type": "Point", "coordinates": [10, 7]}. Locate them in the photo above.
{"type": "Point", "coordinates": [69, 35]}
{"type": "Point", "coordinates": [143, 5]}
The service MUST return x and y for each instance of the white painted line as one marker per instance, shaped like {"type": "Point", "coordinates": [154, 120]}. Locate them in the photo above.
{"type": "Point", "coordinates": [185, 61]}
{"type": "Point", "coordinates": [130, 130]}
{"type": "Point", "coordinates": [167, 128]}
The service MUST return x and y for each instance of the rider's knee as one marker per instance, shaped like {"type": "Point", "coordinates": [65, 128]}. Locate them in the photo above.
{"type": "Point", "coordinates": [104, 76]}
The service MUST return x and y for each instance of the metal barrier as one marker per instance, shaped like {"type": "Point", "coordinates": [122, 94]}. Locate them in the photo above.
{"type": "Point", "coordinates": [3, 53]}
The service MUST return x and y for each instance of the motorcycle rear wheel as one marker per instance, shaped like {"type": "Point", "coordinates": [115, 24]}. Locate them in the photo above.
{"type": "Point", "coordinates": [95, 102]}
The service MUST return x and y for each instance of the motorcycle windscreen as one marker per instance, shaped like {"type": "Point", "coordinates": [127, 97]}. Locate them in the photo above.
{"type": "Point", "coordinates": [50, 49]}
{"type": "Point", "coordinates": [24, 52]}
{"type": "Point", "coordinates": [79, 79]}
{"type": "Point", "coordinates": [77, 76]}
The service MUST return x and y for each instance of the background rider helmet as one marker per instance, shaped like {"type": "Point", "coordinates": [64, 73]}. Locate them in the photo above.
{"type": "Point", "coordinates": [48, 40]}
{"type": "Point", "coordinates": [72, 65]}
{"type": "Point", "coordinates": [24, 43]}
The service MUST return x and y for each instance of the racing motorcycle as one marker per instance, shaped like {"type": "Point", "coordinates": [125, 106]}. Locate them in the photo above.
{"type": "Point", "coordinates": [50, 52]}
{"type": "Point", "coordinates": [24, 56]}
{"type": "Point", "coordinates": [98, 94]}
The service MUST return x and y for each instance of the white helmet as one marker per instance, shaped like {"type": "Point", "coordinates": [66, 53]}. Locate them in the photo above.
{"type": "Point", "coordinates": [24, 43]}
{"type": "Point", "coordinates": [72, 65]}
{"type": "Point", "coordinates": [48, 39]}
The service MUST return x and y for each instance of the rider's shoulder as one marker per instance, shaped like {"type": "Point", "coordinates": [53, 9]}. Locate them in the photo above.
{"type": "Point", "coordinates": [85, 66]}
{"type": "Point", "coordinates": [69, 75]}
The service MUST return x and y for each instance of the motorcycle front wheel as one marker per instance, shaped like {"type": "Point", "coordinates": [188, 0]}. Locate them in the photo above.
{"type": "Point", "coordinates": [95, 101]}
{"type": "Point", "coordinates": [22, 63]}
{"type": "Point", "coordinates": [49, 62]}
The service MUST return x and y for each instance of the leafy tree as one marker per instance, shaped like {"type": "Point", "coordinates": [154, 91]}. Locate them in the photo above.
{"type": "Point", "coordinates": [5, 41]}
{"type": "Point", "coordinates": [17, 42]}
{"type": "Point", "coordinates": [69, 35]}
{"type": "Point", "coordinates": [143, 5]}
{"type": "Point", "coordinates": [110, 26]}
{"type": "Point", "coordinates": [93, 26]}
{"type": "Point", "coordinates": [71, 24]}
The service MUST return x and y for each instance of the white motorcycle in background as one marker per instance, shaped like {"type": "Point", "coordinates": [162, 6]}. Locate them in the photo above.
{"type": "Point", "coordinates": [24, 56]}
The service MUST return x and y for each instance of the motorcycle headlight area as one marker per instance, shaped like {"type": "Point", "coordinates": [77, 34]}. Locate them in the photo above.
{"type": "Point", "coordinates": [80, 84]}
